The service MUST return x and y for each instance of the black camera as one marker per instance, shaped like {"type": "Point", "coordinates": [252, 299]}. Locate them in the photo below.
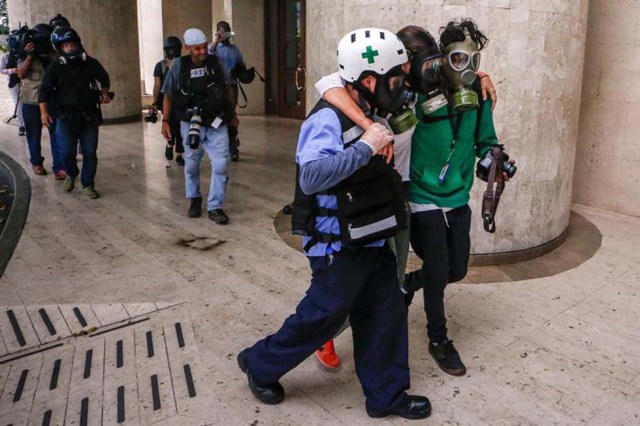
{"type": "Point", "coordinates": [193, 137]}
{"type": "Point", "coordinates": [152, 117]}
{"type": "Point", "coordinates": [484, 165]}
{"type": "Point", "coordinates": [40, 36]}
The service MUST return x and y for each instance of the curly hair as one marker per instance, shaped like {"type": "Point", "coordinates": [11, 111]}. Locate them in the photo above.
{"type": "Point", "coordinates": [458, 30]}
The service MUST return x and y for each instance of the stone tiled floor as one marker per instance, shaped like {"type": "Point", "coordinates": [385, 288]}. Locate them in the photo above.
{"type": "Point", "coordinates": [564, 349]}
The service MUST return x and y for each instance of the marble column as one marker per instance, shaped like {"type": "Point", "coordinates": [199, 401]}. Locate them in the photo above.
{"type": "Point", "coordinates": [109, 32]}
{"type": "Point", "coordinates": [535, 58]}
{"type": "Point", "coordinates": [179, 15]}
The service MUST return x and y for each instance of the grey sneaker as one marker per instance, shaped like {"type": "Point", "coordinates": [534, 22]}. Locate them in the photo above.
{"type": "Point", "coordinates": [69, 183]}
{"type": "Point", "coordinates": [90, 192]}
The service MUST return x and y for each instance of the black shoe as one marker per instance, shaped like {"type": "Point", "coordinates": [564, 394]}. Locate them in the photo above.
{"type": "Point", "coordinates": [269, 394]}
{"type": "Point", "coordinates": [408, 296]}
{"type": "Point", "coordinates": [447, 358]}
{"type": "Point", "coordinates": [219, 216]}
{"type": "Point", "coordinates": [416, 407]}
{"type": "Point", "coordinates": [168, 153]}
{"type": "Point", "coordinates": [195, 209]}
{"type": "Point", "coordinates": [21, 131]}
{"type": "Point", "coordinates": [180, 160]}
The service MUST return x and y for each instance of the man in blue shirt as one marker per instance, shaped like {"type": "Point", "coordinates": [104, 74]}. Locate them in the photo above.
{"type": "Point", "coordinates": [195, 91]}
{"type": "Point", "coordinates": [231, 58]}
{"type": "Point", "coordinates": [348, 280]}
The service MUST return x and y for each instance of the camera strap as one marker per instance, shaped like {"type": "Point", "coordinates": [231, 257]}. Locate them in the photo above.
{"type": "Point", "coordinates": [244, 95]}
{"type": "Point", "coordinates": [495, 186]}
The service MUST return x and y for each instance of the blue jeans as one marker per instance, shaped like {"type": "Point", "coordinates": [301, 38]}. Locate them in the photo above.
{"type": "Point", "coordinates": [216, 144]}
{"type": "Point", "coordinates": [33, 127]}
{"type": "Point", "coordinates": [86, 134]}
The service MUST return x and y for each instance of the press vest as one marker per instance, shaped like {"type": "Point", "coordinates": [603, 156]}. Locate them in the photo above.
{"type": "Point", "coordinates": [31, 83]}
{"type": "Point", "coordinates": [371, 204]}
{"type": "Point", "coordinates": [203, 87]}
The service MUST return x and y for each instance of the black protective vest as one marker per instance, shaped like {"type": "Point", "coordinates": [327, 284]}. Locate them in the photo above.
{"type": "Point", "coordinates": [371, 203]}
{"type": "Point", "coordinates": [204, 87]}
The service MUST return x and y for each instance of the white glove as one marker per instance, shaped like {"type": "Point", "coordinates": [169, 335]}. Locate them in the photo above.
{"type": "Point", "coordinates": [377, 137]}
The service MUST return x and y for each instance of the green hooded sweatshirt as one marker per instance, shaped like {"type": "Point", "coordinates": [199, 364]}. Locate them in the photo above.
{"type": "Point", "coordinates": [430, 148]}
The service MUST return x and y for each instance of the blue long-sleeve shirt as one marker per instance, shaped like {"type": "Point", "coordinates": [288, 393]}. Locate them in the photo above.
{"type": "Point", "coordinates": [324, 162]}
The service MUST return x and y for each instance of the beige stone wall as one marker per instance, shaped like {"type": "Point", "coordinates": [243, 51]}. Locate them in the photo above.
{"type": "Point", "coordinates": [607, 168]}
{"type": "Point", "coordinates": [535, 57]}
{"type": "Point", "coordinates": [179, 15]}
{"type": "Point", "coordinates": [109, 32]}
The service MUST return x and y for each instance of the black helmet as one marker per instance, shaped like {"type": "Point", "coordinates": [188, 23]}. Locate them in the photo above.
{"type": "Point", "coordinates": [59, 21]}
{"type": "Point", "coordinates": [42, 38]}
{"type": "Point", "coordinates": [64, 35]}
{"type": "Point", "coordinates": [42, 30]}
{"type": "Point", "coordinates": [172, 47]}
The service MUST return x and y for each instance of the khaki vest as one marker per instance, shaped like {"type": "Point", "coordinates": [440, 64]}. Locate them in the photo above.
{"type": "Point", "coordinates": [31, 84]}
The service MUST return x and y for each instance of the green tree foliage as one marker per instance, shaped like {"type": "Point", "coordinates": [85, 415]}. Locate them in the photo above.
{"type": "Point", "coordinates": [4, 17]}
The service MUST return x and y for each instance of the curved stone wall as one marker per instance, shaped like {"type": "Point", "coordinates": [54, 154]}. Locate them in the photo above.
{"type": "Point", "coordinates": [607, 170]}
{"type": "Point", "coordinates": [109, 32]}
{"type": "Point", "coordinates": [535, 57]}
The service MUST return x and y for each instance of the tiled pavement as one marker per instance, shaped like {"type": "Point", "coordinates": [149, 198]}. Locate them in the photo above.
{"type": "Point", "coordinates": [100, 364]}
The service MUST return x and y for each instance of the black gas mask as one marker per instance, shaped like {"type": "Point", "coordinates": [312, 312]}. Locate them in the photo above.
{"type": "Point", "coordinates": [172, 47]}
{"type": "Point", "coordinates": [392, 95]}
{"type": "Point", "coordinates": [426, 78]}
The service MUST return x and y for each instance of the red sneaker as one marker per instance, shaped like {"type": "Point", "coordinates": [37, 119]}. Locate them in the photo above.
{"type": "Point", "coordinates": [60, 175]}
{"type": "Point", "coordinates": [39, 170]}
{"type": "Point", "coordinates": [327, 356]}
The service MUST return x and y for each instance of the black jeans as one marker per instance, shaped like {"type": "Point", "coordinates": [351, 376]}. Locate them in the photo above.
{"type": "Point", "coordinates": [443, 245]}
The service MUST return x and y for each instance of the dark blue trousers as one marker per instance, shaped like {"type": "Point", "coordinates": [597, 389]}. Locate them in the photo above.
{"type": "Point", "coordinates": [86, 134]}
{"type": "Point", "coordinates": [362, 284]}
{"type": "Point", "coordinates": [33, 128]}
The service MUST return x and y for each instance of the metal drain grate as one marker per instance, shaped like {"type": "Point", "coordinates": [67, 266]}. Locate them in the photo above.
{"type": "Point", "coordinates": [140, 371]}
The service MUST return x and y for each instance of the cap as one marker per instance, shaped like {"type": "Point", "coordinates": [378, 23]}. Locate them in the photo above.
{"type": "Point", "coordinates": [193, 37]}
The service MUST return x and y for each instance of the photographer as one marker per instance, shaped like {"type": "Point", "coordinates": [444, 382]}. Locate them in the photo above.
{"type": "Point", "coordinates": [37, 55]}
{"type": "Point", "coordinates": [9, 67]}
{"type": "Point", "coordinates": [445, 144]}
{"type": "Point", "coordinates": [77, 84]}
{"type": "Point", "coordinates": [195, 90]}
{"type": "Point", "coordinates": [231, 57]}
{"type": "Point", "coordinates": [172, 49]}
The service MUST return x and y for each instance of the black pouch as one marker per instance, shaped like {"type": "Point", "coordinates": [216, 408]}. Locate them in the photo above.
{"type": "Point", "coordinates": [372, 209]}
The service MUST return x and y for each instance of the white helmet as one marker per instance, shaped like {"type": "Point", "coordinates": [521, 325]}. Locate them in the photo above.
{"type": "Point", "coordinates": [369, 49]}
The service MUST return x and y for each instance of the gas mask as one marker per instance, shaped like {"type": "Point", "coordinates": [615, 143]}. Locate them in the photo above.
{"type": "Point", "coordinates": [462, 60]}
{"type": "Point", "coordinates": [73, 56]}
{"type": "Point", "coordinates": [227, 38]}
{"type": "Point", "coordinates": [426, 78]}
{"type": "Point", "coordinates": [391, 97]}
{"type": "Point", "coordinates": [171, 52]}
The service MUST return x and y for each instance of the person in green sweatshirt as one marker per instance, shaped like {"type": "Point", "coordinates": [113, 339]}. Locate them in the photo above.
{"type": "Point", "coordinates": [454, 128]}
